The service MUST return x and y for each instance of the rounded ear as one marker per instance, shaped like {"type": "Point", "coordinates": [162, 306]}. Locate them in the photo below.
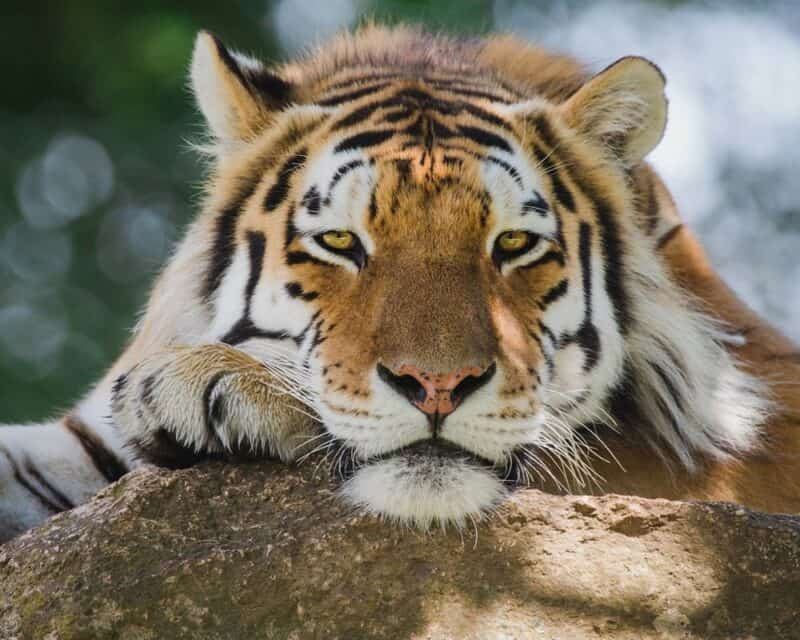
{"type": "Point", "coordinates": [623, 108]}
{"type": "Point", "coordinates": [235, 93]}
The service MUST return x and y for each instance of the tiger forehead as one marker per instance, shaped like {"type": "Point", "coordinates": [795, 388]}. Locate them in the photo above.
{"type": "Point", "coordinates": [417, 114]}
{"type": "Point", "coordinates": [451, 204]}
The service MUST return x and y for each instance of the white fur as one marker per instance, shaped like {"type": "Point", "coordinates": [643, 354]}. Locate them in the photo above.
{"type": "Point", "coordinates": [57, 455]}
{"type": "Point", "coordinates": [348, 202]}
{"type": "Point", "coordinates": [725, 406]}
{"type": "Point", "coordinates": [210, 90]}
{"type": "Point", "coordinates": [229, 300]}
{"type": "Point", "coordinates": [423, 492]}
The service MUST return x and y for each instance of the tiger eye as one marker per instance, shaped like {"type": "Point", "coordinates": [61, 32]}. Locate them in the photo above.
{"type": "Point", "coordinates": [340, 240]}
{"type": "Point", "coordinates": [512, 240]}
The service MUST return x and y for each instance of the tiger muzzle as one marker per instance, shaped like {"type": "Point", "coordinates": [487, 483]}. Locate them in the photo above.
{"type": "Point", "coordinates": [437, 395]}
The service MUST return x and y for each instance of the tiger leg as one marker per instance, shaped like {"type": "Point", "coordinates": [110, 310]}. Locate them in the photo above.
{"type": "Point", "coordinates": [188, 403]}
{"type": "Point", "coordinates": [49, 468]}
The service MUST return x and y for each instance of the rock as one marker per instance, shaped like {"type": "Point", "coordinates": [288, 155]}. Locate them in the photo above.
{"type": "Point", "coordinates": [259, 551]}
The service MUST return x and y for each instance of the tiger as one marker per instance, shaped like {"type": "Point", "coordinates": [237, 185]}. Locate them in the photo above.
{"type": "Point", "coordinates": [444, 266]}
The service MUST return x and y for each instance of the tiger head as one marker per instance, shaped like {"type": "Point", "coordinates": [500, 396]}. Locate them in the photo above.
{"type": "Point", "coordinates": [451, 261]}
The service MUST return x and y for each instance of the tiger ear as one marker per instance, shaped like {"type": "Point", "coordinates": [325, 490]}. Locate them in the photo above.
{"type": "Point", "coordinates": [236, 94]}
{"type": "Point", "coordinates": [623, 108]}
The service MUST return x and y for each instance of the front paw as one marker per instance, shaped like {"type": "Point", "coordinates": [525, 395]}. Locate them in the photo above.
{"type": "Point", "coordinates": [186, 404]}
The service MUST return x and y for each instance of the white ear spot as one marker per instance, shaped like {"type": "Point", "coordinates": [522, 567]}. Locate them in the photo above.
{"type": "Point", "coordinates": [623, 108]}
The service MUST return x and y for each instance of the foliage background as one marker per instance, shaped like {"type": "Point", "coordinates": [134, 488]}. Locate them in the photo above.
{"type": "Point", "coordinates": [96, 181]}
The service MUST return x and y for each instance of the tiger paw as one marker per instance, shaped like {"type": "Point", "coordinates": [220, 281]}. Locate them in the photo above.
{"type": "Point", "coordinates": [185, 404]}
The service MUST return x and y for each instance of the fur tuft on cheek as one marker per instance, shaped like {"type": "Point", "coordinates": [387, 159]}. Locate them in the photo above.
{"type": "Point", "coordinates": [423, 491]}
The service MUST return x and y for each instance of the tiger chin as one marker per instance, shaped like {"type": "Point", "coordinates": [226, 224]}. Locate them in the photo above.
{"type": "Point", "coordinates": [445, 266]}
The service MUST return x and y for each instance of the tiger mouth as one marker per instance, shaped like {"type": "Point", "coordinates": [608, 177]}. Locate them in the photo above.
{"type": "Point", "coordinates": [431, 451]}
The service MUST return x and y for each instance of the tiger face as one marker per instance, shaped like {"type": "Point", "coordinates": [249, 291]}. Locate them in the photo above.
{"type": "Point", "coordinates": [443, 261]}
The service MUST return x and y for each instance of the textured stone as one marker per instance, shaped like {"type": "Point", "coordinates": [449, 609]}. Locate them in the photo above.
{"type": "Point", "coordinates": [259, 551]}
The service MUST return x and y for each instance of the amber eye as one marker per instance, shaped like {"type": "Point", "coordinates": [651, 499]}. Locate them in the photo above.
{"type": "Point", "coordinates": [345, 244]}
{"type": "Point", "coordinates": [339, 240]}
{"type": "Point", "coordinates": [512, 244]}
{"type": "Point", "coordinates": [513, 241]}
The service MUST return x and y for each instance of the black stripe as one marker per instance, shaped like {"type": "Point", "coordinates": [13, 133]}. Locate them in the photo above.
{"type": "Point", "coordinates": [670, 386]}
{"type": "Point", "coordinates": [439, 131]}
{"type": "Point", "coordinates": [669, 235]}
{"type": "Point", "coordinates": [280, 190]}
{"type": "Point", "coordinates": [547, 357]}
{"type": "Point", "coordinates": [512, 171]}
{"type": "Point", "coordinates": [269, 86]}
{"type": "Point", "coordinates": [299, 338]}
{"type": "Point", "coordinates": [118, 391]}
{"type": "Point", "coordinates": [147, 389]}
{"type": "Point", "coordinates": [362, 114]}
{"type": "Point", "coordinates": [614, 270]}
{"type": "Point", "coordinates": [485, 138]}
{"type": "Point", "coordinates": [548, 332]}
{"type": "Point", "coordinates": [312, 201]}
{"type": "Point", "coordinates": [585, 253]}
{"type": "Point", "coordinates": [396, 116]}
{"type": "Point", "coordinates": [428, 102]}
{"type": "Point", "coordinates": [473, 93]}
{"type": "Point", "coordinates": [548, 257]}
{"type": "Point", "coordinates": [544, 130]}
{"type": "Point", "coordinates": [588, 339]}
{"type": "Point", "coordinates": [256, 242]}
{"type": "Point", "coordinates": [364, 139]}
{"type": "Point", "coordinates": [301, 257]}
{"type": "Point", "coordinates": [221, 254]}
{"type": "Point", "coordinates": [351, 95]}
{"type": "Point", "coordinates": [359, 115]}
{"type": "Point", "coordinates": [403, 166]}
{"type": "Point", "coordinates": [652, 213]}
{"type": "Point", "coordinates": [409, 100]}
{"type": "Point", "coordinates": [560, 190]}
{"type": "Point", "coordinates": [110, 466]}
{"type": "Point", "coordinates": [554, 294]}
{"type": "Point", "coordinates": [58, 496]}
{"type": "Point", "coordinates": [361, 79]}
{"type": "Point", "coordinates": [609, 241]}
{"type": "Point", "coordinates": [222, 249]}
{"type": "Point", "coordinates": [482, 114]}
{"type": "Point", "coordinates": [244, 330]}
{"type": "Point", "coordinates": [535, 204]}
{"type": "Point", "coordinates": [295, 290]}
{"type": "Point", "coordinates": [46, 501]}
{"type": "Point", "coordinates": [211, 415]}
{"type": "Point", "coordinates": [587, 336]}
{"type": "Point", "coordinates": [342, 171]}
{"type": "Point", "coordinates": [276, 91]}
{"type": "Point", "coordinates": [228, 60]}
{"type": "Point", "coordinates": [373, 204]}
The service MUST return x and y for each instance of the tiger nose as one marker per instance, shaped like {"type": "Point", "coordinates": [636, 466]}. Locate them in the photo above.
{"type": "Point", "coordinates": [437, 395]}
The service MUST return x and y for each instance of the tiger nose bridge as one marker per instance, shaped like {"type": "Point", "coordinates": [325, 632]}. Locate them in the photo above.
{"type": "Point", "coordinates": [439, 398]}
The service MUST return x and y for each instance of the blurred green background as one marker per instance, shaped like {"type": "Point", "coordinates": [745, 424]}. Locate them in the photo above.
{"type": "Point", "coordinates": [96, 180]}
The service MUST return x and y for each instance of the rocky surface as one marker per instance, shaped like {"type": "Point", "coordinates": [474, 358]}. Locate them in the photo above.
{"type": "Point", "coordinates": [257, 551]}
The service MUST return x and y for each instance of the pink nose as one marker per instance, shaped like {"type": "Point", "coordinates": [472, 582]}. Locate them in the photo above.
{"type": "Point", "coordinates": [438, 387]}
{"type": "Point", "coordinates": [435, 394]}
